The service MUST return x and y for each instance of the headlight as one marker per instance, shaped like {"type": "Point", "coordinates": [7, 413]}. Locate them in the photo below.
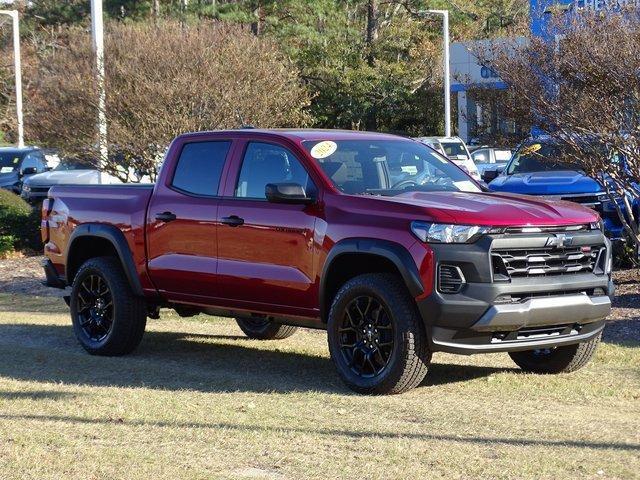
{"type": "Point", "coordinates": [26, 188]}
{"type": "Point", "coordinates": [599, 225]}
{"type": "Point", "coordinates": [443, 233]}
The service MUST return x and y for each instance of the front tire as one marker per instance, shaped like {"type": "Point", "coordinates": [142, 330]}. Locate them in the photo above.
{"type": "Point", "coordinates": [260, 328]}
{"type": "Point", "coordinates": [556, 360]}
{"type": "Point", "coordinates": [108, 319]}
{"type": "Point", "coordinates": [376, 337]}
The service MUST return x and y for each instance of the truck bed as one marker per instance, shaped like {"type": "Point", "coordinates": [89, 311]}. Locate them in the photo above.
{"type": "Point", "coordinates": [121, 206]}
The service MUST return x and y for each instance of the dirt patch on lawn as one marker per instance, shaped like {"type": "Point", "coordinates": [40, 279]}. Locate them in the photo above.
{"type": "Point", "coordinates": [24, 276]}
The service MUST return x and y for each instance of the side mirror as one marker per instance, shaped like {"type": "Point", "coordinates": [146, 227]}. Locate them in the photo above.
{"type": "Point", "coordinates": [490, 175]}
{"type": "Point", "coordinates": [28, 171]}
{"type": "Point", "coordinates": [291, 193]}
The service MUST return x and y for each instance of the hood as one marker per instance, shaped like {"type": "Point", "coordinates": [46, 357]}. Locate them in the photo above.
{"type": "Point", "coordinates": [546, 183]}
{"type": "Point", "coordinates": [496, 209]}
{"type": "Point", "coordinates": [63, 177]}
{"type": "Point", "coordinates": [8, 178]}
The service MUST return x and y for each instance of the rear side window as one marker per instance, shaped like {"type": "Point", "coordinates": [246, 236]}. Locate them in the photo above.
{"type": "Point", "coordinates": [200, 167]}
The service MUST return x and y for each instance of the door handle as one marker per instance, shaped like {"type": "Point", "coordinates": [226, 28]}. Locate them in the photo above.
{"type": "Point", "coordinates": [232, 221]}
{"type": "Point", "coordinates": [166, 217]}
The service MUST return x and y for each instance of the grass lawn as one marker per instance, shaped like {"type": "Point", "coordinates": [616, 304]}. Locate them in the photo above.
{"type": "Point", "coordinates": [198, 400]}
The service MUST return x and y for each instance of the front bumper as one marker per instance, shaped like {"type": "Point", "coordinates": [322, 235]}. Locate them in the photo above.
{"type": "Point", "coordinates": [519, 313]}
{"type": "Point", "coordinates": [35, 195]}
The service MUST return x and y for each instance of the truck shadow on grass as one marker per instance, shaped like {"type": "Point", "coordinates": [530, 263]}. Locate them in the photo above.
{"type": "Point", "coordinates": [331, 432]}
{"type": "Point", "coordinates": [177, 361]}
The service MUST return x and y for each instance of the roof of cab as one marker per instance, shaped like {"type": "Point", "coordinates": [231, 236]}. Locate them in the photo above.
{"type": "Point", "coordinates": [302, 134]}
{"type": "Point", "coordinates": [17, 149]}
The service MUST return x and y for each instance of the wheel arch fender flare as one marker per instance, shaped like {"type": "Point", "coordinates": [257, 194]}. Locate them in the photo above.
{"type": "Point", "coordinates": [398, 255]}
{"type": "Point", "coordinates": [116, 238]}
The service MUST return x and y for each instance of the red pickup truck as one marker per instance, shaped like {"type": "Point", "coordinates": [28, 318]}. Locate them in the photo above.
{"type": "Point", "coordinates": [378, 239]}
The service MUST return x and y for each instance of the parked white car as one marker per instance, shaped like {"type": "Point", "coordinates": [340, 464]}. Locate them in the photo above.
{"type": "Point", "coordinates": [490, 161]}
{"type": "Point", "coordinates": [455, 149]}
{"type": "Point", "coordinates": [68, 172]}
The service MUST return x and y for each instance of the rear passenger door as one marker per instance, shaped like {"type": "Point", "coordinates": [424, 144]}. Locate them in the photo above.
{"type": "Point", "coordinates": [181, 223]}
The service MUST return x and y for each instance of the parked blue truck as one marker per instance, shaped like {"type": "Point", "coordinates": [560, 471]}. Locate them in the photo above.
{"type": "Point", "coordinates": [534, 170]}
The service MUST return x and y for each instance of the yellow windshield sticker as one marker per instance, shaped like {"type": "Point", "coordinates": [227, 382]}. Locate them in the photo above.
{"type": "Point", "coordinates": [531, 149]}
{"type": "Point", "coordinates": [324, 149]}
{"type": "Point", "coordinates": [16, 160]}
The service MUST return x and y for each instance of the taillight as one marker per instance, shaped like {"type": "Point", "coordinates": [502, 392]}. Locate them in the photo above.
{"type": "Point", "coordinates": [44, 219]}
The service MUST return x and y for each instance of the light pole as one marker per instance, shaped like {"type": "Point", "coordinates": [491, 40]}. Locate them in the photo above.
{"type": "Point", "coordinates": [18, 71]}
{"type": "Point", "coordinates": [447, 67]}
{"type": "Point", "coordinates": [97, 34]}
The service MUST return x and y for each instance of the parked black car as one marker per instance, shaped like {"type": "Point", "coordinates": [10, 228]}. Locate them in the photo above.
{"type": "Point", "coordinates": [18, 163]}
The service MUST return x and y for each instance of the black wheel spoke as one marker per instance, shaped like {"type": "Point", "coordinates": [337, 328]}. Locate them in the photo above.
{"type": "Point", "coordinates": [366, 336]}
{"type": "Point", "coordinates": [95, 307]}
{"type": "Point", "coordinates": [366, 309]}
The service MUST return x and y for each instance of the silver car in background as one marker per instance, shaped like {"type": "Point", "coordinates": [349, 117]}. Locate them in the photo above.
{"type": "Point", "coordinates": [68, 172]}
{"type": "Point", "coordinates": [455, 150]}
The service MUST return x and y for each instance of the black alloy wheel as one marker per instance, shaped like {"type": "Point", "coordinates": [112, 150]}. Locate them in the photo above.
{"type": "Point", "coordinates": [108, 317]}
{"type": "Point", "coordinates": [366, 336]}
{"type": "Point", "coordinates": [95, 308]}
{"type": "Point", "coordinates": [376, 336]}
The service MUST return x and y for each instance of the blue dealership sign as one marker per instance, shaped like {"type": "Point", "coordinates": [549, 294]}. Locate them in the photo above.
{"type": "Point", "coordinates": [542, 11]}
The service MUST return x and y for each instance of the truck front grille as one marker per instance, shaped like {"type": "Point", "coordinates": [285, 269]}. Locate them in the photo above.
{"type": "Point", "coordinates": [509, 263]}
{"type": "Point", "coordinates": [589, 201]}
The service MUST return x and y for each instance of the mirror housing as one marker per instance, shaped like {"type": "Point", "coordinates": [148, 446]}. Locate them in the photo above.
{"type": "Point", "coordinates": [490, 175]}
{"type": "Point", "coordinates": [28, 171]}
{"type": "Point", "coordinates": [290, 193]}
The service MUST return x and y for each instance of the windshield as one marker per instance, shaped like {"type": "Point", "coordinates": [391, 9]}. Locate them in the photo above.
{"type": "Point", "coordinates": [10, 161]}
{"type": "Point", "coordinates": [454, 149]}
{"type": "Point", "coordinates": [538, 157]}
{"type": "Point", "coordinates": [387, 167]}
{"type": "Point", "coordinates": [74, 164]}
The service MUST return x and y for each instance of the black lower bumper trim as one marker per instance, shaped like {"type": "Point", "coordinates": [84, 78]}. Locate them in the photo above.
{"type": "Point", "coordinates": [468, 342]}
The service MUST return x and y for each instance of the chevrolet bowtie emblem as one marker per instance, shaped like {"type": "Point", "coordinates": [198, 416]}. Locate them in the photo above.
{"type": "Point", "coordinates": [559, 240]}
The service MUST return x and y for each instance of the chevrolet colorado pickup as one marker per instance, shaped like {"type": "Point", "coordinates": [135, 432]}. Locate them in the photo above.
{"type": "Point", "coordinates": [378, 239]}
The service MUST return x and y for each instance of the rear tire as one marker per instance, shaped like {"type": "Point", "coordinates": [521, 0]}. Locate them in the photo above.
{"type": "Point", "coordinates": [556, 360]}
{"type": "Point", "coordinates": [108, 319]}
{"type": "Point", "coordinates": [265, 329]}
{"type": "Point", "coordinates": [376, 336]}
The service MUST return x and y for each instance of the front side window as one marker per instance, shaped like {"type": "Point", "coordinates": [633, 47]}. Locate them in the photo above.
{"type": "Point", "coordinates": [31, 160]}
{"type": "Point", "coordinates": [387, 167]}
{"type": "Point", "coordinates": [200, 167]}
{"type": "Point", "coordinates": [265, 163]}
{"type": "Point", "coordinates": [481, 156]}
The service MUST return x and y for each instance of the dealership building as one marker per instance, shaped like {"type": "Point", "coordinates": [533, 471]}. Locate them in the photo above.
{"type": "Point", "coordinates": [467, 73]}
